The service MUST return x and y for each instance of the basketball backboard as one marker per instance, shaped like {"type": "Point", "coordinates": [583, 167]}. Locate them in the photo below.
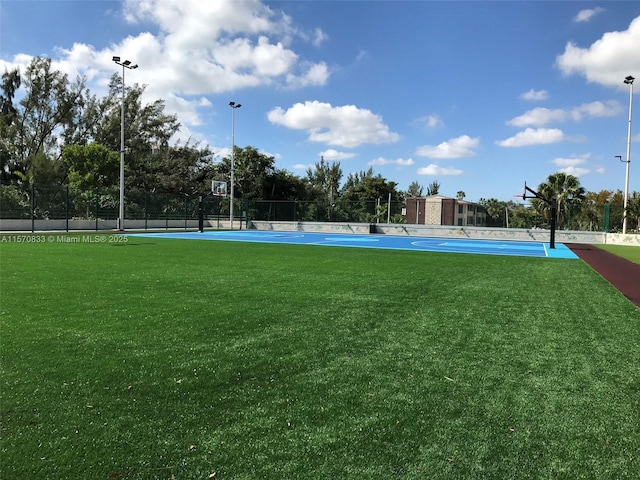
{"type": "Point", "coordinates": [219, 188]}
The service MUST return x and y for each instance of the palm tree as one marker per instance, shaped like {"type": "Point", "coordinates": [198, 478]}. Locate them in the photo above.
{"type": "Point", "coordinates": [566, 190]}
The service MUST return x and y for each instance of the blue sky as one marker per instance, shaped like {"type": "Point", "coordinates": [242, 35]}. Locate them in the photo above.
{"type": "Point", "coordinates": [479, 96]}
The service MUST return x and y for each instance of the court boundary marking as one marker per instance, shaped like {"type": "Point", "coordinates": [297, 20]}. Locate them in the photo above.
{"type": "Point", "coordinates": [383, 242]}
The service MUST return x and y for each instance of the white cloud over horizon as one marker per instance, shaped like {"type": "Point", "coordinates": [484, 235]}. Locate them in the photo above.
{"type": "Point", "coordinates": [533, 136]}
{"type": "Point", "coordinates": [436, 170]}
{"type": "Point", "coordinates": [458, 147]}
{"type": "Point", "coordinates": [401, 162]}
{"type": "Point", "coordinates": [334, 155]}
{"type": "Point", "coordinates": [541, 116]}
{"type": "Point", "coordinates": [345, 126]}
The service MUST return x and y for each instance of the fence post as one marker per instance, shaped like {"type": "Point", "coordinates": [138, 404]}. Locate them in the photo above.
{"type": "Point", "coordinates": [95, 192]}
{"type": "Point", "coordinates": [33, 207]}
{"type": "Point", "coordinates": [166, 212]}
{"type": "Point", "coordinates": [66, 206]}
{"type": "Point", "coordinates": [146, 214]}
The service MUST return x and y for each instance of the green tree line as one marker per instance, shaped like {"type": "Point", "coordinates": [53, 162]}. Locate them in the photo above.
{"type": "Point", "coordinates": [59, 133]}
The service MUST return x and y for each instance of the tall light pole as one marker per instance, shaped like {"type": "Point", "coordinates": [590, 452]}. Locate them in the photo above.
{"type": "Point", "coordinates": [233, 106]}
{"type": "Point", "coordinates": [124, 64]}
{"type": "Point", "coordinates": [629, 81]}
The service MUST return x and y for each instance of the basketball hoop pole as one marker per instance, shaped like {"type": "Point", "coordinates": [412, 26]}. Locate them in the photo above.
{"type": "Point", "coordinates": [233, 106]}
{"type": "Point", "coordinates": [201, 199]}
{"type": "Point", "coordinates": [554, 211]}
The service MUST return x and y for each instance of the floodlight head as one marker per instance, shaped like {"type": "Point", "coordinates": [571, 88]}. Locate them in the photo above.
{"type": "Point", "coordinates": [126, 63]}
{"type": "Point", "coordinates": [133, 66]}
{"type": "Point", "coordinates": [116, 59]}
{"type": "Point", "coordinates": [629, 80]}
{"type": "Point", "coordinates": [237, 106]}
{"type": "Point", "coordinates": [231, 104]}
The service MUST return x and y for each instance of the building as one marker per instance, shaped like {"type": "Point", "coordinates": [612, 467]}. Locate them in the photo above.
{"type": "Point", "coordinates": [439, 210]}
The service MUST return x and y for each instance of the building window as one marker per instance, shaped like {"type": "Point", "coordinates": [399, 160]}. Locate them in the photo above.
{"type": "Point", "coordinates": [460, 209]}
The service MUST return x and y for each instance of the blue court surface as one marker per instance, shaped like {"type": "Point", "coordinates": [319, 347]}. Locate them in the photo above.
{"type": "Point", "coordinates": [389, 242]}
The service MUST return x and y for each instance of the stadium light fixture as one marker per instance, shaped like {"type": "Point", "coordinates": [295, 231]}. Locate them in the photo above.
{"type": "Point", "coordinates": [629, 81]}
{"type": "Point", "coordinates": [125, 64]}
{"type": "Point", "coordinates": [233, 106]}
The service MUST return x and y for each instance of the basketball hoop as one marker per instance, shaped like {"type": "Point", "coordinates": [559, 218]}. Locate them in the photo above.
{"type": "Point", "coordinates": [218, 188]}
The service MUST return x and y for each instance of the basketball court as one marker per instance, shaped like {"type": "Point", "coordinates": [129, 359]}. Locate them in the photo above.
{"type": "Point", "coordinates": [388, 242]}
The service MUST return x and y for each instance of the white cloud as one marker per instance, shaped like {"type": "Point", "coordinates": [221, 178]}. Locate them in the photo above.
{"type": "Point", "coordinates": [454, 148]}
{"type": "Point", "coordinates": [317, 74]}
{"type": "Point", "coordinates": [574, 165]}
{"type": "Point", "coordinates": [334, 155]}
{"type": "Point", "coordinates": [538, 117]}
{"type": "Point", "coordinates": [433, 169]}
{"type": "Point", "coordinates": [345, 126]}
{"type": "Point", "coordinates": [608, 60]}
{"type": "Point", "coordinates": [587, 14]}
{"type": "Point", "coordinates": [535, 95]}
{"type": "Point", "coordinates": [401, 162]}
{"type": "Point", "coordinates": [200, 48]}
{"type": "Point", "coordinates": [431, 121]}
{"type": "Point", "coordinates": [597, 109]}
{"type": "Point", "coordinates": [302, 166]}
{"type": "Point", "coordinates": [575, 171]}
{"type": "Point", "coordinates": [531, 136]}
{"type": "Point", "coordinates": [571, 161]}
{"type": "Point", "coordinates": [319, 37]}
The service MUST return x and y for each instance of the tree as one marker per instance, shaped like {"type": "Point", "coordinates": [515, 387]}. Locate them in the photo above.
{"type": "Point", "coordinates": [460, 195]}
{"type": "Point", "coordinates": [565, 189]}
{"type": "Point", "coordinates": [495, 210]}
{"type": "Point", "coordinates": [433, 188]}
{"type": "Point", "coordinates": [633, 210]}
{"type": "Point", "coordinates": [283, 185]}
{"type": "Point", "coordinates": [148, 131]}
{"type": "Point", "coordinates": [324, 180]}
{"type": "Point", "coordinates": [592, 212]}
{"type": "Point", "coordinates": [9, 166]}
{"type": "Point", "coordinates": [363, 190]}
{"type": "Point", "coordinates": [91, 166]}
{"type": "Point", "coordinates": [415, 190]}
{"type": "Point", "coordinates": [252, 171]}
{"type": "Point", "coordinates": [49, 105]}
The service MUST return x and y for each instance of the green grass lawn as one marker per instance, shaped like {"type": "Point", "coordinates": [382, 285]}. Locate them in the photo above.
{"type": "Point", "coordinates": [175, 359]}
{"type": "Point", "coordinates": [631, 253]}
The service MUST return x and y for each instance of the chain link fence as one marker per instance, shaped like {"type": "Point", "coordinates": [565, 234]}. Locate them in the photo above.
{"type": "Point", "coordinates": [98, 209]}
{"type": "Point", "coordinates": [37, 202]}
